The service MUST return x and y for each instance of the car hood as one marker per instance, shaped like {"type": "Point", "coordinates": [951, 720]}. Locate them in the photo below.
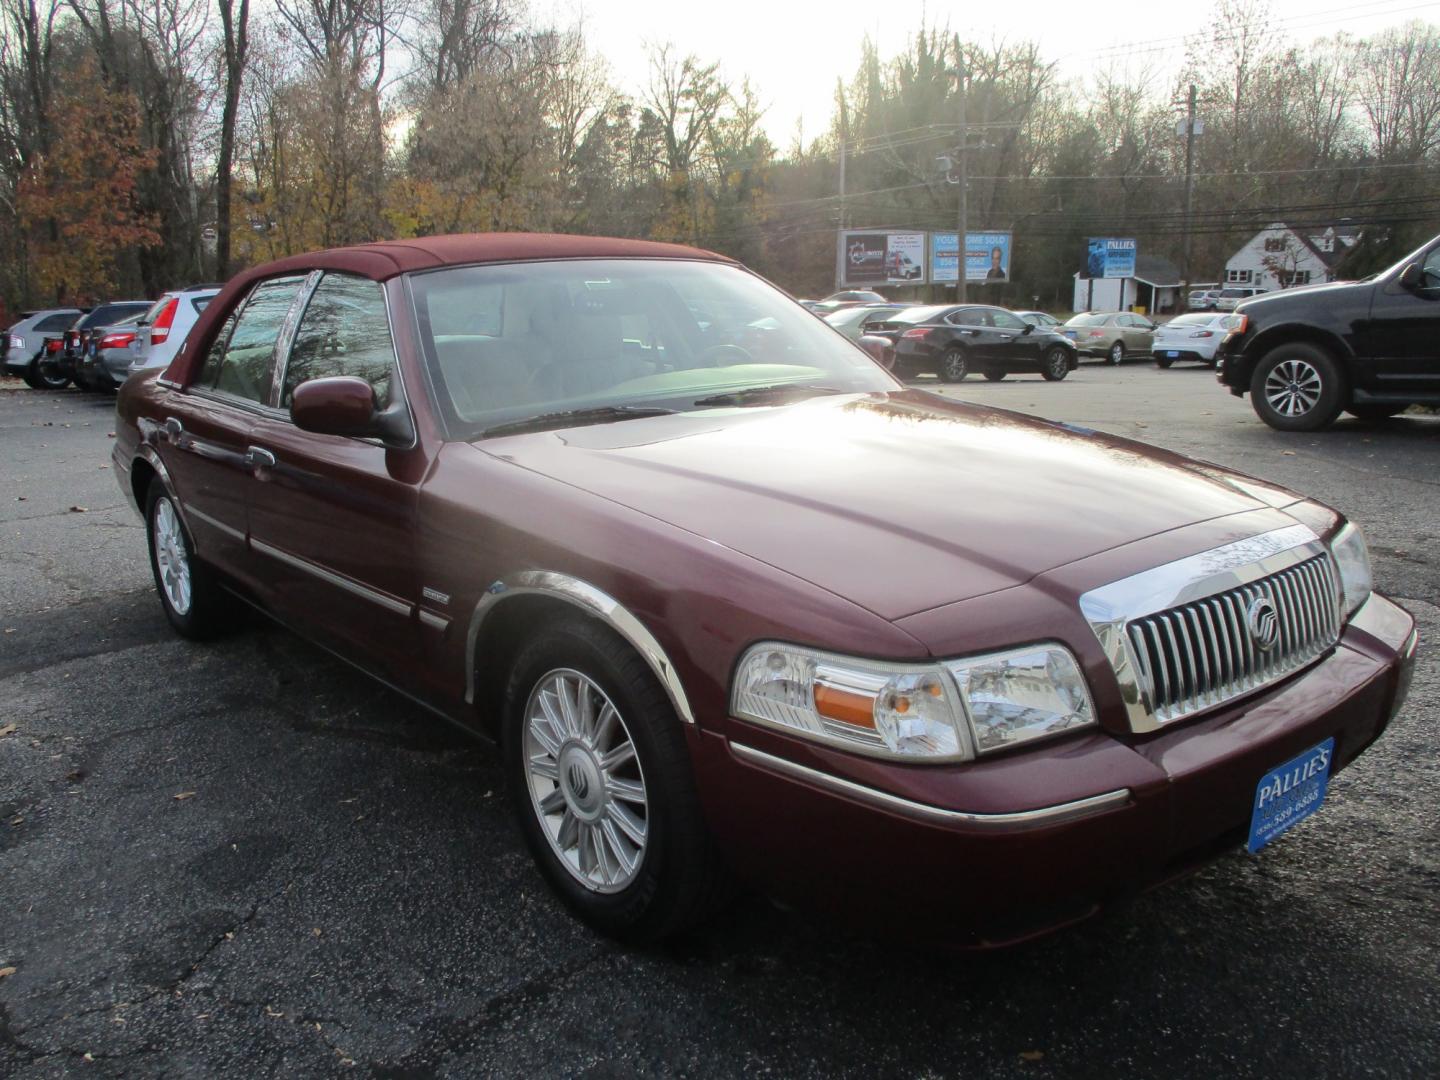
{"type": "Point", "coordinates": [1304, 295]}
{"type": "Point", "coordinates": [899, 502]}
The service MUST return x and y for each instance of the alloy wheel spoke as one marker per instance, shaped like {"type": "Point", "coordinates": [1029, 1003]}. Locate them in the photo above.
{"type": "Point", "coordinates": [629, 791]}
{"type": "Point", "coordinates": [626, 858]}
{"type": "Point", "coordinates": [618, 756]}
{"type": "Point", "coordinates": [553, 803]}
{"type": "Point", "coordinates": [545, 765]}
{"type": "Point", "coordinates": [626, 821]}
{"type": "Point", "coordinates": [569, 831]}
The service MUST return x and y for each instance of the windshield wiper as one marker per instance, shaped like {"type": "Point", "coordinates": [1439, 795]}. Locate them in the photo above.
{"type": "Point", "coordinates": [603, 414]}
{"type": "Point", "coordinates": [762, 395]}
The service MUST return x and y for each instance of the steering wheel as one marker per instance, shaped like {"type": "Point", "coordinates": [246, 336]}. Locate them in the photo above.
{"type": "Point", "coordinates": [724, 355]}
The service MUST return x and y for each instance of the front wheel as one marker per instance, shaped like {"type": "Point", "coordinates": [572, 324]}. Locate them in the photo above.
{"type": "Point", "coordinates": [1117, 353]}
{"type": "Point", "coordinates": [954, 365]}
{"type": "Point", "coordinates": [1297, 387]}
{"type": "Point", "coordinates": [600, 778]}
{"type": "Point", "coordinates": [1056, 365]}
{"type": "Point", "coordinates": [1163, 361]}
{"type": "Point", "coordinates": [995, 376]}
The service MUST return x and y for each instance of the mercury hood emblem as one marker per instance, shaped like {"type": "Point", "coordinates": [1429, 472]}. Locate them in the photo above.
{"type": "Point", "coordinates": [1263, 622]}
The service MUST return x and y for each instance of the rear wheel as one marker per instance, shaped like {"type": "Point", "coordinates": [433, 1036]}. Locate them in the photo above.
{"type": "Point", "coordinates": [43, 376]}
{"type": "Point", "coordinates": [194, 603]}
{"type": "Point", "coordinates": [600, 779]}
{"type": "Point", "coordinates": [1297, 387]}
{"type": "Point", "coordinates": [954, 365]}
{"type": "Point", "coordinates": [995, 376]}
{"type": "Point", "coordinates": [1163, 361]}
{"type": "Point", "coordinates": [1117, 353]}
{"type": "Point", "coordinates": [1056, 365]}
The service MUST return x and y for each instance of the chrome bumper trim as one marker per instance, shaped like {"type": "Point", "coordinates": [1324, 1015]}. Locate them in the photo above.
{"type": "Point", "coordinates": [1012, 822]}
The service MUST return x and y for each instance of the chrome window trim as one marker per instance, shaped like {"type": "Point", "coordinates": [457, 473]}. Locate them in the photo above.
{"type": "Point", "coordinates": [1109, 608]}
{"type": "Point", "coordinates": [588, 598]}
{"type": "Point", "coordinates": [239, 313]}
{"type": "Point", "coordinates": [375, 596]}
{"type": "Point", "coordinates": [286, 338]}
{"type": "Point", "coordinates": [1005, 822]}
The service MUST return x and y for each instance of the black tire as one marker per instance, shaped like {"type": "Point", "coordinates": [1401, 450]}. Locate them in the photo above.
{"type": "Point", "coordinates": [995, 376]}
{"type": "Point", "coordinates": [46, 377]}
{"type": "Point", "coordinates": [1298, 387]}
{"type": "Point", "coordinates": [209, 611]}
{"type": "Point", "coordinates": [1056, 365]}
{"type": "Point", "coordinates": [1116, 355]}
{"type": "Point", "coordinates": [679, 878]}
{"type": "Point", "coordinates": [1163, 361]}
{"type": "Point", "coordinates": [40, 376]}
{"type": "Point", "coordinates": [1374, 414]}
{"type": "Point", "coordinates": [954, 365]}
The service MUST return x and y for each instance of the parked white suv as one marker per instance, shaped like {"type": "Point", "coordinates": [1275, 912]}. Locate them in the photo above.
{"type": "Point", "coordinates": [162, 329]}
{"type": "Point", "coordinates": [1233, 295]}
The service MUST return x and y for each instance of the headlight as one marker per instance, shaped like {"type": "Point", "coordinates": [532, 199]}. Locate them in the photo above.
{"type": "Point", "coordinates": [1352, 559]}
{"type": "Point", "coordinates": [944, 711]}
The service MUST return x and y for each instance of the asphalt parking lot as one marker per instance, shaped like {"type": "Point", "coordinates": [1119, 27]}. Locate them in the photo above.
{"type": "Point", "coordinates": [244, 859]}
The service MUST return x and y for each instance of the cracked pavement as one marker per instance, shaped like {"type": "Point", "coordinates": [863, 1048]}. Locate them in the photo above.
{"type": "Point", "coordinates": [245, 859]}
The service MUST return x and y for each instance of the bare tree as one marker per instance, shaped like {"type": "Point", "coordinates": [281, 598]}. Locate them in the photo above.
{"type": "Point", "coordinates": [235, 23]}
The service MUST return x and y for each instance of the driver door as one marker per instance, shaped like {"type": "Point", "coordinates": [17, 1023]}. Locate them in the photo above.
{"type": "Point", "coordinates": [1404, 333]}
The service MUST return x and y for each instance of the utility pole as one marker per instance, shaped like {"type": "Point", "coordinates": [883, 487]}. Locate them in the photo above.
{"type": "Point", "coordinates": [1189, 184]}
{"type": "Point", "coordinates": [964, 170]}
{"type": "Point", "coordinates": [844, 137]}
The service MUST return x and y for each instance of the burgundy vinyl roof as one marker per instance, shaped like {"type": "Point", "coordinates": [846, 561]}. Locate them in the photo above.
{"type": "Point", "coordinates": [386, 259]}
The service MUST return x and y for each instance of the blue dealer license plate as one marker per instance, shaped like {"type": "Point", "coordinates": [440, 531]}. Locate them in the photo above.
{"type": "Point", "coordinates": [1171, 352]}
{"type": "Point", "coordinates": [1289, 794]}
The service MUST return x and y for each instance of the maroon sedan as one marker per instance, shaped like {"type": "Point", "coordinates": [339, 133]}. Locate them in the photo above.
{"type": "Point", "coordinates": [735, 601]}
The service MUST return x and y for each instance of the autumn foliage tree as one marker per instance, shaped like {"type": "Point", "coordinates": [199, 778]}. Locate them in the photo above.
{"type": "Point", "coordinates": [76, 200]}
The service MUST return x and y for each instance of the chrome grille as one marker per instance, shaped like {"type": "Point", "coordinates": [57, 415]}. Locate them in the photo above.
{"type": "Point", "coordinates": [1203, 653]}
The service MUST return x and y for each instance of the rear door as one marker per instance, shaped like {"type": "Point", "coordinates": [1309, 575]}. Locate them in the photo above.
{"type": "Point", "coordinates": [332, 519]}
{"type": "Point", "coordinates": [973, 328]}
{"type": "Point", "coordinates": [207, 426]}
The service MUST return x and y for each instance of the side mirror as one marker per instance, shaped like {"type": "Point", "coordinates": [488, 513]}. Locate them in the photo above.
{"type": "Point", "coordinates": [345, 405]}
{"type": "Point", "coordinates": [1412, 277]}
{"type": "Point", "coordinates": [1029, 329]}
{"type": "Point", "coordinates": [879, 349]}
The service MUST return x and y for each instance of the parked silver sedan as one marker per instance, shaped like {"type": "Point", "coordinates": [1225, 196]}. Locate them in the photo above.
{"type": "Point", "coordinates": [851, 321]}
{"type": "Point", "coordinates": [1191, 337]}
{"type": "Point", "coordinates": [1113, 335]}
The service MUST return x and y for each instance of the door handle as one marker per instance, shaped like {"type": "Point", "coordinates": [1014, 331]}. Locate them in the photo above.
{"type": "Point", "coordinates": [257, 457]}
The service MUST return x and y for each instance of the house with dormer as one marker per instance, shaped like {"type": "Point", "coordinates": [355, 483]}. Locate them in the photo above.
{"type": "Point", "coordinates": [1282, 257]}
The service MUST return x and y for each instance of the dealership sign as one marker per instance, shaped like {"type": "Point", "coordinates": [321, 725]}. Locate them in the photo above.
{"type": "Point", "coordinates": [882, 258]}
{"type": "Point", "coordinates": [987, 257]}
{"type": "Point", "coordinates": [1108, 257]}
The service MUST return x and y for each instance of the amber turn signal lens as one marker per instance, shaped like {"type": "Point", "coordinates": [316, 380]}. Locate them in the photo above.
{"type": "Point", "coordinates": [846, 706]}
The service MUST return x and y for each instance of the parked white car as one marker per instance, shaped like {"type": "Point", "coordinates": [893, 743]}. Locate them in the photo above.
{"type": "Point", "coordinates": [1191, 337]}
{"type": "Point", "coordinates": [163, 328]}
{"type": "Point", "coordinates": [26, 338]}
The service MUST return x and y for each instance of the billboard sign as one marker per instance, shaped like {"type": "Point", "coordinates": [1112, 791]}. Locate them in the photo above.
{"type": "Point", "coordinates": [882, 258]}
{"type": "Point", "coordinates": [1108, 257]}
{"type": "Point", "coordinates": [987, 257]}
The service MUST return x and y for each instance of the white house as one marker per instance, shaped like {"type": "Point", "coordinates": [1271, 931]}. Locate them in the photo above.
{"type": "Point", "coordinates": [1279, 257]}
{"type": "Point", "coordinates": [1155, 287]}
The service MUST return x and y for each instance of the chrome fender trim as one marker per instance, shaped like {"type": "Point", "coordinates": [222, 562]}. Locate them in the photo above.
{"type": "Point", "coordinates": [589, 599]}
{"type": "Point", "coordinates": [147, 453]}
{"type": "Point", "coordinates": [935, 815]}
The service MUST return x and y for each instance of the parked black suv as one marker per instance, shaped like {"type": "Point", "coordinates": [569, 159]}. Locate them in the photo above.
{"type": "Point", "coordinates": [1370, 348]}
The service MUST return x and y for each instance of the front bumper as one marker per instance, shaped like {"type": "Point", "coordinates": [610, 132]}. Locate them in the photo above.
{"type": "Point", "coordinates": [17, 361]}
{"type": "Point", "coordinates": [995, 851]}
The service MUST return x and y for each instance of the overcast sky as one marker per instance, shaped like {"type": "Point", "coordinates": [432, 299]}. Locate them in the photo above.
{"type": "Point", "coordinates": [793, 52]}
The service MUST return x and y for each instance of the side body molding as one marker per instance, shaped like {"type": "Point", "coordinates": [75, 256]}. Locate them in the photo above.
{"type": "Point", "coordinates": [588, 598]}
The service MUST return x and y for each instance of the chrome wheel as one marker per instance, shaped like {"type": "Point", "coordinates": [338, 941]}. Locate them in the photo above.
{"type": "Point", "coordinates": [586, 785]}
{"type": "Point", "coordinates": [172, 560]}
{"type": "Point", "coordinates": [1293, 387]}
{"type": "Point", "coordinates": [1117, 353]}
{"type": "Point", "coordinates": [1057, 365]}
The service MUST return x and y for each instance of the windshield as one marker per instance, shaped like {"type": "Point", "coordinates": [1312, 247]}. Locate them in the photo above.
{"type": "Point", "coordinates": [1190, 320]}
{"type": "Point", "coordinates": [518, 340]}
{"type": "Point", "coordinates": [1093, 319]}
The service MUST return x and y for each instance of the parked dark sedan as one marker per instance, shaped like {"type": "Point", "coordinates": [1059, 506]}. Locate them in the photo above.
{"type": "Point", "coordinates": [1370, 348]}
{"type": "Point", "coordinates": [862, 646]}
{"type": "Point", "coordinates": [80, 337]}
{"type": "Point", "coordinates": [952, 341]}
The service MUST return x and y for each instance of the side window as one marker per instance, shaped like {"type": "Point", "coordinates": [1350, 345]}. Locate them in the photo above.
{"type": "Point", "coordinates": [1431, 267]}
{"type": "Point", "coordinates": [344, 331]}
{"type": "Point", "coordinates": [51, 323]}
{"type": "Point", "coordinates": [1006, 321]}
{"type": "Point", "coordinates": [247, 366]}
{"type": "Point", "coordinates": [210, 366]}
